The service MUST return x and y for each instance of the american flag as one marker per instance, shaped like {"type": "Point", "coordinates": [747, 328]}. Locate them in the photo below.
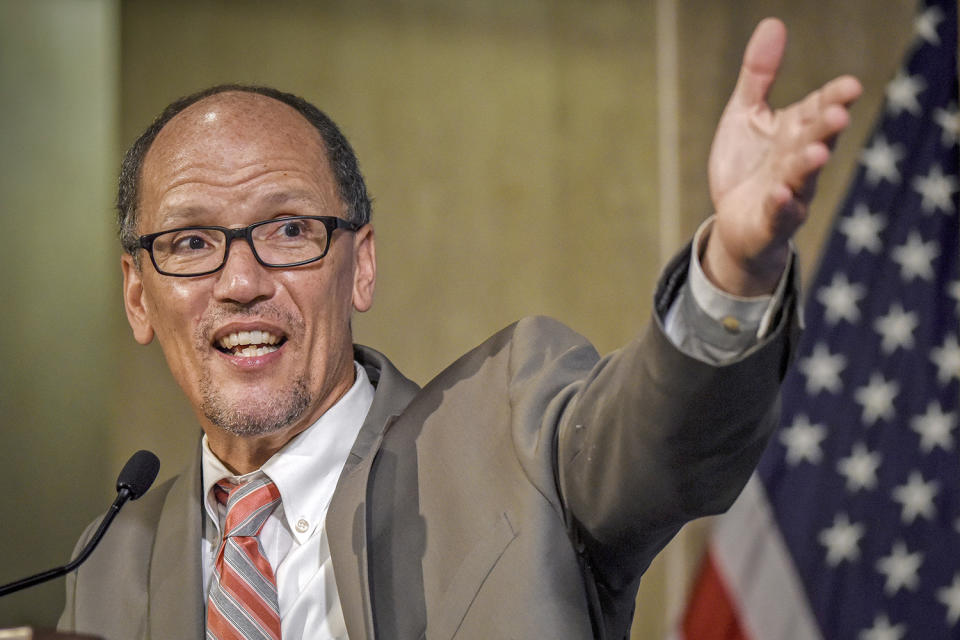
{"type": "Point", "coordinates": [850, 528]}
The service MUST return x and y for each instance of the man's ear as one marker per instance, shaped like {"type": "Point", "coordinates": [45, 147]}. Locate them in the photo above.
{"type": "Point", "coordinates": [364, 268]}
{"type": "Point", "coordinates": [133, 301]}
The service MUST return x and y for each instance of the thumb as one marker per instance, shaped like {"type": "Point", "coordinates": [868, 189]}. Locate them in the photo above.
{"type": "Point", "coordinates": [760, 63]}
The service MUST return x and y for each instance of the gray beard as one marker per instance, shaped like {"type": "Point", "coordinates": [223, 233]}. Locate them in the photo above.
{"type": "Point", "coordinates": [271, 416]}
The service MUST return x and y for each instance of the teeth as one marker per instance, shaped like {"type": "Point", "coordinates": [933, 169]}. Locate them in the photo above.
{"type": "Point", "coordinates": [253, 351]}
{"type": "Point", "coordinates": [264, 339]}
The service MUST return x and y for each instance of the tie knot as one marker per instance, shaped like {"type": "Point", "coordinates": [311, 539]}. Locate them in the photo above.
{"type": "Point", "coordinates": [248, 504]}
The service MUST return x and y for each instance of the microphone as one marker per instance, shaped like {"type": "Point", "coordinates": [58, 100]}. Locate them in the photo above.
{"type": "Point", "coordinates": [134, 480]}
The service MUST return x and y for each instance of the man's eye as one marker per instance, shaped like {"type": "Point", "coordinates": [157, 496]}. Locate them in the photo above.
{"type": "Point", "coordinates": [190, 243]}
{"type": "Point", "coordinates": [292, 229]}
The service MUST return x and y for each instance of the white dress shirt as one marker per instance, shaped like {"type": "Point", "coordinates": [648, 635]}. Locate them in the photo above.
{"type": "Point", "coordinates": [294, 538]}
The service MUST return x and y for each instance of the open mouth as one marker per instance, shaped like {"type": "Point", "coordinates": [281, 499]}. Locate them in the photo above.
{"type": "Point", "coordinates": [248, 344]}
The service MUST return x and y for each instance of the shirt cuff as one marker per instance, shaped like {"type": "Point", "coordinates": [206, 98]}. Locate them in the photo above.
{"type": "Point", "coordinates": [713, 325]}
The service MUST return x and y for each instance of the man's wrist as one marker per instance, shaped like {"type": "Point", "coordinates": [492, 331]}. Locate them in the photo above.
{"type": "Point", "coordinates": [737, 276]}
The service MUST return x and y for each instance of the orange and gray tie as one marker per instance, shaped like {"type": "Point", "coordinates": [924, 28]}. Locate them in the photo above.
{"type": "Point", "coordinates": [242, 602]}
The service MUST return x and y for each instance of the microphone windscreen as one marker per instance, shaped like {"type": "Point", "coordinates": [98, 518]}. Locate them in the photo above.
{"type": "Point", "coordinates": [139, 473]}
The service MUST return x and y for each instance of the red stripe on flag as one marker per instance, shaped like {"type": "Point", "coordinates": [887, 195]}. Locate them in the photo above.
{"type": "Point", "coordinates": [711, 613]}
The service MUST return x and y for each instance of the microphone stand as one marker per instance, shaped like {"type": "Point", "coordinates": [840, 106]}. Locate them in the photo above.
{"type": "Point", "coordinates": [50, 574]}
{"type": "Point", "coordinates": [134, 480]}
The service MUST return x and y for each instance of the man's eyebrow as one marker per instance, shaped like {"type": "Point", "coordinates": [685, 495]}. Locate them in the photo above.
{"type": "Point", "coordinates": [286, 197]}
{"type": "Point", "coordinates": [181, 217]}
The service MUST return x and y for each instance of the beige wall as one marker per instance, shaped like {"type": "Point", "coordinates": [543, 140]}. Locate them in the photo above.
{"type": "Point", "coordinates": [58, 115]}
{"type": "Point", "coordinates": [512, 148]}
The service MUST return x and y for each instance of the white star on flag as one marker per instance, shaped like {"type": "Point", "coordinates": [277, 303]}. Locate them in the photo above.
{"type": "Point", "coordinates": [822, 370]}
{"type": "Point", "coordinates": [915, 258]}
{"type": "Point", "coordinates": [863, 230]}
{"type": "Point", "coordinates": [916, 498]}
{"type": "Point", "coordinates": [948, 121]}
{"type": "Point", "coordinates": [802, 441]}
{"type": "Point", "coordinates": [880, 160]}
{"type": "Point", "coordinates": [947, 359]}
{"type": "Point", "coordinates": [842, 540]}
{"type": "Point", "coordinates": [876, 398]}
{"type": "Point", "coordinates": [902, 93]}
{"type": "Point", "coordinates": [953, 290]}
{"type": "Point", "coordinates": [950, 598]}
{"type": "Point", "coordinates": [935, 428]}
{"type": "Point", "coordinates": [883, 630]}
{"type": "Point", "coordinates": [896, 328]}
{"type": "Point", "coordinates": [840, 299]}
{"type": "Point", "coordinates": [936, 190]}
{"type": "Point", "coordinates": [900, 568]}
{"type": "Point", "coordinates": [925, 25]}
{"type": "Point", "coordinates": [860, 468]}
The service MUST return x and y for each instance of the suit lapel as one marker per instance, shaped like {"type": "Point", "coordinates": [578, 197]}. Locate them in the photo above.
{"type": "Point", "coordinates": [176, 593]}
{"type": "Point", "coordinates": [347, 535]}
{"type": "Point", "coordinates": [347, 518]}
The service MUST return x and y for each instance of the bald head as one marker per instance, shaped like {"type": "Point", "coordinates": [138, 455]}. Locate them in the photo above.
{"type": "Point", "coordinates": [189, 121]}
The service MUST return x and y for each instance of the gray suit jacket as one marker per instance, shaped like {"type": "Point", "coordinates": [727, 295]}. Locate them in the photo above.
{"type": "Point", "coordinates": [519, 494]}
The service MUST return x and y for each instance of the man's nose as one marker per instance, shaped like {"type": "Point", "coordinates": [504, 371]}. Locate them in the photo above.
{"type": "Point", "coordinates": [242, 279]}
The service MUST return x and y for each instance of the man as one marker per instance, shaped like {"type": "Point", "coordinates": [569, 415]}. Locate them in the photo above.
{"type": "Point", "coordinates": [523, 491]}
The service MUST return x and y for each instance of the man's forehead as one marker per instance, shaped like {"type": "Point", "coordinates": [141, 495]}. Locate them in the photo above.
{"type": "Point", "coordinates": [234, 126]}
{"type": "Point", "coordinates": [231, 118]}
{"type": "Point", "coordinates": [231, 140]}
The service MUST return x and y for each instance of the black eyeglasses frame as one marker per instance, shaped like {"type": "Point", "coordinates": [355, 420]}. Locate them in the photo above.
{"type": "Point", "coordinates": [332, 223]}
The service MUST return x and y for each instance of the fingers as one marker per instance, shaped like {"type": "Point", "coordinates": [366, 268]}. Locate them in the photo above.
{"type": "Point", "coordinates": [841, 90]}
{"type": "Point", "coordinates": [760, 62]}
{"type": "Point", "coordinates": [810, 127]}
{"type": "Point", "coordinates": [799, 168]}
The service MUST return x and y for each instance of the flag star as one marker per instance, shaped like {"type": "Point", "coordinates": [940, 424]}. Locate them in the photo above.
{"type": "Point", "coordinates": [902, 94]}
{"type": "Point", "coordinates": [842, 540]}
{"type": "Point", "coordinates": [822, 369]}
{"type": "Point", "coordinates": [925, 25]}
{"type": "Point", "coordinates": [863, 230]}
{"type": "Point", "coordinates": [840, 299]}
{"type": "Point", "coordinates": [880, 160]}
{"type": "Point", "coordinates": [896, 328]}
{"type": "Point", "coordinates": [900, 568]}
{"type": "Point", "coordinates": [915, 258]}
{"type": "Point", "coordinates": [935, 428]}
{"type": "Point", "coordinates": [950, 598]}
{"type": "Point", "coordinates": [936, 190]}
{"type": "Point", "coordinates": [883, 630]}
{"type": "Point", "coordinates": [953, 290]}
{"type": "Point", "coordinates": [802, 441]}
{"type": "Point", "coordinates": [876, 398]}
{"type": "Point", "coordinates": [916, 498]}
{"type": "Point", "coordinates": [948, 121]}
{"type": "Point", "coordinates": [860, 469]}
{"type": "Point", "coordinates": [947, 359]}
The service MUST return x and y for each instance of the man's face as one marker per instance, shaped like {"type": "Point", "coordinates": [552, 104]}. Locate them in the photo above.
{"type": "Point", "coordinates": [231, 160]}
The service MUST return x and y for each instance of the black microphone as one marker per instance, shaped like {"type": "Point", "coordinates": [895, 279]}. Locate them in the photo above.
{"type": "Point", "coordinates": [134, 480]}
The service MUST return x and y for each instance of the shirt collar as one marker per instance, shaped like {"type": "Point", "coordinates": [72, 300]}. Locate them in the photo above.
{"type": "Point", "coordinates": [307, 468]}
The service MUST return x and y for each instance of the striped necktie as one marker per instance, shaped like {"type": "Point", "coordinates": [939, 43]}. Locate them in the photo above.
{"type": "Point", "coordinates": [242, 602]}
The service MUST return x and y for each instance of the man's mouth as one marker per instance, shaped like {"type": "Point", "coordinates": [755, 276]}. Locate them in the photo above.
{"type": "Point", "coordinates": [249, 344]}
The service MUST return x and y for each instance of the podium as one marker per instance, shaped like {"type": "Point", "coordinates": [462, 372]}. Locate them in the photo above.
{"type": "Point", "coordinates": [29, 633]}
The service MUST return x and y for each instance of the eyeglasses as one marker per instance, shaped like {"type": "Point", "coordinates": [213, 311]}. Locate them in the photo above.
{"type": "Point", "coordinates": [283, 242]}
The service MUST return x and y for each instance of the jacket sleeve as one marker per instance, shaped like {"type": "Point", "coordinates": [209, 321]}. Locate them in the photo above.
{"type": "Point", "coordinates": [650, 438]}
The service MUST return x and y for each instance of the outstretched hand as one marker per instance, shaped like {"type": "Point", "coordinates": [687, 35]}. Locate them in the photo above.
{"type": "Point", "coordinates": [763, 166]}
